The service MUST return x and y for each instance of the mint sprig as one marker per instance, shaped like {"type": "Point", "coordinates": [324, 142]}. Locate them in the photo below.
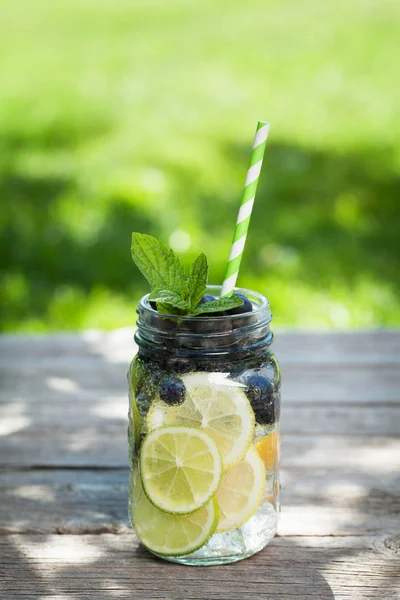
{"type": "Point", "coordinates": [173, 289]}
{"type": "Point", "coordinates": [218, 305]}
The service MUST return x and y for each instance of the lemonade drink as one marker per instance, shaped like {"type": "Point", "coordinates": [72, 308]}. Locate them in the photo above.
{"type": "Point", "coordinates": [204, 432]}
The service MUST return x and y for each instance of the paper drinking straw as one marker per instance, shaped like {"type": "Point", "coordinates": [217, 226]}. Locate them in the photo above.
{"type": "Point", "coordinates": [246, 206]}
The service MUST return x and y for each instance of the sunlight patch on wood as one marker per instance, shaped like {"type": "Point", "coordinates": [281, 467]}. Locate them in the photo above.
{"type": "Point", "coordinates": [61, 550]}
{"type": "Point", "coordinates": [59, 597]}
{"type": "Point", "coordinates": [319, 520]}
{"type": "Point", "coordinates": [82, 440]}
{"type": "Point", "coordinates": [62, 384]}
{"type": "Point", "coordinates": [34, 492]}
{"type": "Point", "coordinates": [116, 346]}
{"type": "Point", "coordinates": [378, 455]}
{"type": "Point", "coordinates": [9, 425]}
{"type": "Point", "coordinates": [115, 408]}
{"type": "Point", "coordinates": [13, 419]}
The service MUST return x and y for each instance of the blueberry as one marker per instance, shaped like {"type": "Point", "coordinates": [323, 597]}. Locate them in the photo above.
{"type": "Point", "coordinates": [206, 298]}
{"type": "Point", "coordinates": [260, 392]}
{"type": "Point", "coordinates": [153, 305]}
{"type": "Point", "coordinates": [172, 391]}
{"type": "Point", "coordinates": [244, 308]}
{"type": "Point", "coordinates": [209, 298]}
{"type": "Point", "coordinates": [272, 370]}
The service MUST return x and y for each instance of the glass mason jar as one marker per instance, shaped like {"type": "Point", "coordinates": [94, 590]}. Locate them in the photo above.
{"type": "Point", "coordinates": [204, 434]}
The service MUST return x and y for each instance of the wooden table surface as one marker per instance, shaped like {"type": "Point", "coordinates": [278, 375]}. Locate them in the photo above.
{"type": "Point", "coordinates": [63, 475]}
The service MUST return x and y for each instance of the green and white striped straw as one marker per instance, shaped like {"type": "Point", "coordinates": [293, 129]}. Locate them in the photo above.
{"type": "Point", "coordinates": [246, 206]}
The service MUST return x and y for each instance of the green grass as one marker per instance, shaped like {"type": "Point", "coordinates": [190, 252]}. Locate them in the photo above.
{"type": "Point", "coordinates": [139, 115]}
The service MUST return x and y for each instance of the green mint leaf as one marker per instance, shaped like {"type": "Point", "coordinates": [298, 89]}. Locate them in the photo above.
{"type": "Point", "coordinates": [157, 263]}
{"type": "Point", "coordinates": [169, 297]}
{"type": "Point", "coordinates": [218, 305]}
{"type": "Point", "coordinates": [168, 309]}
{"type": "Point", "coordinates": [185, 293]}
{"type": "Point", "coordinates": [198, 280]}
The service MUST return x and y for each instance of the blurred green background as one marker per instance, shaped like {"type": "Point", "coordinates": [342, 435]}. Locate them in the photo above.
{"type": "Point", "coordinates": [139, 115]}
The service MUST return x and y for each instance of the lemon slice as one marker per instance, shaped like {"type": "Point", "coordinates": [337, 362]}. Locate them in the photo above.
{"type": "Point", "coordinates": [171, 535]}
{"type": "Point", "coordinates": [241, 491]}
{"type": "Point", "coordinates": [216, 405]}
{"type": "Point", "coordinates": [180, 467]}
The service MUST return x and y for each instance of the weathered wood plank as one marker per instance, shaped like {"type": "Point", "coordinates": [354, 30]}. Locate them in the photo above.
{"type": "Point", "coordinates": [338, 348]}
{"type": "Point", "coordinates": [63, 404]}
{"type": "Point", "coordinates": [379, 346]}
{"type": "Point", "coordinates": [92, 410]}
{"type": "Point", "coordinates": [349, 368]}
{"type": "Point", "coordinates": [114, 346]}
{"type": "Point", "coordinates": [340, 419]}
{"type": "Point", "coordinates": [106, 446]}
{"type": "Point", "coordinates": [109, 566]}
{"type": "Point", "coordinates": [76, 502]}
{"type": "Point", "coordinates": [301, 383]}
{"type": "Point", "coordinates": [315, 502]}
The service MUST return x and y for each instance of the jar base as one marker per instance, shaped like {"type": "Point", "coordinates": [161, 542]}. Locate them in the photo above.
{"type": "Point", "coordinates": [241, 543]}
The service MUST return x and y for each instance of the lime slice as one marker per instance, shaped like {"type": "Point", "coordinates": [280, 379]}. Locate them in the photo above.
{"type": "Point", "coordinates": [216, 405]}
{"type": "Point", "coordinates": [241, 491]}
{"type": "Point", "coordinates": [181, 468]}
{"type": "Point", "coordinates": [171, 535]}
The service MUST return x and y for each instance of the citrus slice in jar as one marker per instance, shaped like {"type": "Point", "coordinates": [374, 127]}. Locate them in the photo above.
{"type": "Point", "coordinates": [180, 468]}
{"type": "Point", "coordinates": [268, 449]}
{"type": "Point", "coordinates": [216, 405]}
{"type": "Point", "coordinates": [241, 491]}
{"type": "Point", "coordinates": [172, 535]}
